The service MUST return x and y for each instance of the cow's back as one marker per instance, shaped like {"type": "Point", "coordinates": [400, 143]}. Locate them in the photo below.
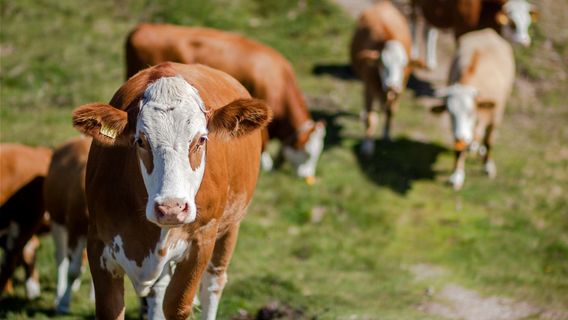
{"type": "Point", "coordinates": [19, 165]}
{"type": "Point", "coordinates": [495, 71]}
{"type": "Point", "coordinates": [65, 184]}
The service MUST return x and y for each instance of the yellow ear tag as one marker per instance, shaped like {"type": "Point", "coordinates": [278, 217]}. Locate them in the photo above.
{"type": "Point", "coordinates": [108, 131]}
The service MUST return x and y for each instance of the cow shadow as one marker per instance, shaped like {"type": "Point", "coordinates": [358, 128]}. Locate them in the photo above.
{"type": "Point", "coordinates": [398, 163]}
{"type": "Point", "coordinates": [333, 128]}
{"type": "Point", "coordinates": [419, 87]}
{"type": "Point", "coordinates": [338, 70]}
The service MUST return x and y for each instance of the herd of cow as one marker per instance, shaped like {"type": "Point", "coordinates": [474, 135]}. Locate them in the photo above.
{"type": "Point", "coordinates": [157, 186]}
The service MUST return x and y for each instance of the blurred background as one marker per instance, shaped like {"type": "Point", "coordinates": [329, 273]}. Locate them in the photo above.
{"type": "Point", "coordinates": [375, 238]}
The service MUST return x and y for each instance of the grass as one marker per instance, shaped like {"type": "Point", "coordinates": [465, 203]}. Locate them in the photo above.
{"type": "Point", "coordinates": [344, 247]}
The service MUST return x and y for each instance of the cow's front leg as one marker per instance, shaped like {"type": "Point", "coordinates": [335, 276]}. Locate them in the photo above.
{"type": "Point", "coordinates": [109, 287]}
{"type": "Point", "coordinates": [215, 276]}
{"type": "Point", "coordinates": [187, 275]}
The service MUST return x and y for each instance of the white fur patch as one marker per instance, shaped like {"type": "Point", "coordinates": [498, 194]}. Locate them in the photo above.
{"type": "Point", "coordinates": [305, 161]}
{"type": "Point", "coordinates": [171, 115]}
{"type": "Point", "coordinates": [391, 69]}
{"type": "Point", "coordinates": [460, 100]}
{"type": "Point", "coordinates": [210, 294]}
{"type": "Point", "coordinates": [115, 261]}
{"type": "Point", "coordinates": [519, 12]}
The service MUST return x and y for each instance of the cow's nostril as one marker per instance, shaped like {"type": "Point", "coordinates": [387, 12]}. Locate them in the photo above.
{"type": "Point", "coordinates": [186, 207]}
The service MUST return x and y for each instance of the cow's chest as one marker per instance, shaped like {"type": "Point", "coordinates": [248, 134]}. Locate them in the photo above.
{"type": "Point", "coordinates": [143, 275]}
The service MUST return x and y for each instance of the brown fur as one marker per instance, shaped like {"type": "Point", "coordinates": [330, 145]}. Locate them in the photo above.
{"type": "Point", "coordinates": [262, 70]}
{"type": "Point", "coordinates": [225, 192]}
{"type": "Point", "coordinates": [22, 172]}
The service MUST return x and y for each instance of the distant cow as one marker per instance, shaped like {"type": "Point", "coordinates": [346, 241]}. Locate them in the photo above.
{"type": "Point", "coordinates": [22, 174]}
{"type": "Point", "coordinates": [380, 56]}
{"type": "Point", "coordinates": [480, 82]}
{"type": "Point", "coordinates": [262, 70]}
{"type": "Point", "coordinates": [65, 201]}
{"type": "Point", "coordinates": [511, 18]}
{"type": "Point", "coordinates": [170, 174]}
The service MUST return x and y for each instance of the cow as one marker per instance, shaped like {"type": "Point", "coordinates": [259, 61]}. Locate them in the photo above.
{"type": "Point", "coordinates": [511, 18]}
{"type": "Point", "coordinates": [380, 56]}
{"type": "Point", "coordinates": [64, 195]}
{"type": "Point", "coordinates": [480, 82]}
{"type": "Point", "coordinates": [22, 173]}
{"type": "Point", "coordinates": [170, 174]}
{"type": "Point", "coordinates": [262, 70]}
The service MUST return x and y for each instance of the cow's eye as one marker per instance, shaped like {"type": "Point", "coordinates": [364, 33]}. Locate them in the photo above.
{"type": "Point", "coordinates": [139, 142]}
{"type": "Point", "coordinates": [202, 140]}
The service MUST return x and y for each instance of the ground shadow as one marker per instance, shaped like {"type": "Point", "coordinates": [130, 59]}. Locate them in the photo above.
{"type": "Point", "coordinates": [420, 87]}
{"type": "Point", "coordinates": [333, 128]}
{"type": "Point", "coordinates": [398, 163]}
{"type": "Point", "coordinates": [340, 71]}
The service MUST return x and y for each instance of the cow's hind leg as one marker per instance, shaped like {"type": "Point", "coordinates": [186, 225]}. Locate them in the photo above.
{"type": "Point", "coordinates": [489, 164]}
{"type": "Point", "coordinates": [73, 274]}
{"type": "Point", "coordinates": [431, 41]}
{"type": "Point", "coordinates": [33, 289]}
{"type": "Point", "coordinates": [60, 236]}
{"type": "Point", "coordinates": [215, 276]}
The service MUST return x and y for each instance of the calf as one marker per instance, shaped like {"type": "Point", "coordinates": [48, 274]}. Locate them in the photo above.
{"type": "Point", "coordinates": [262, 70]}
{"type": "Point", "coordinates": [65, 201]}
{"type": "Point", "coordinates": [480, 82]}
{"type": "Point", "coordinates": [511, 18]}
{"type": "Point", "coordinates": [380, 52]}
{"type": "Point", "coordinates": [22, 173]}
{"type": "Point", "coordinates": [170, 174]}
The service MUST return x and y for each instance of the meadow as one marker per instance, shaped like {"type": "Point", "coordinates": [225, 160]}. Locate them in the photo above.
{"type": "Point", "coordinates": [378, 238]}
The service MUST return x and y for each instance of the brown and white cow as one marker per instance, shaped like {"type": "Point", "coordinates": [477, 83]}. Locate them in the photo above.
{"type": "Point", "coordinates": [480, 82]}
{"type": "Point", "coordinates": [65, 201]}
{"type": "Point", "coordinates": [380, 56]}
{"type": "Point", "coordinates": [22, 174]}
{"type": "Point", "coordinates": [170, 174]}
{"type": "Point", "coordinates": [262, 70]}
{"type": "Point", "coordinates": [511, 18]}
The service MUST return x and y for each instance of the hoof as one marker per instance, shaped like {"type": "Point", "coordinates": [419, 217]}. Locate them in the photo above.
{"type": "Point", "coordinates": [32, 289]}
{"type": "Point", "coordinates": [457, 179]}
{"type": "Point", "coordinates": [491, 169]}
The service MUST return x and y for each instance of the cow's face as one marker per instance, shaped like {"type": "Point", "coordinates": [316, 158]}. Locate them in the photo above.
{"type": "Point", "coordinates": [305, 153]}
{"type": "Point", "coordinates": [392, 64]}
{"type": "Point", "coordinates": [461, 104]}
{"type": "Point", "coordinates": [170, 132]}
{"type": "Point", "coordinates": [516, 18]}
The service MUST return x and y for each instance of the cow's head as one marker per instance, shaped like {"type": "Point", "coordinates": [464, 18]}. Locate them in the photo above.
{"type": "Point", "coordinates": [462, 103]}
{"type": "Point", "coordinates": [516, 18]}
{"type": "Point", "coordinates": [170, 133]}
{"type": "Point", "coordinates": [304, 151]}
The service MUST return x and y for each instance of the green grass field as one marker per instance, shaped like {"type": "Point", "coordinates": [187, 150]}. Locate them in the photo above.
{"type": "Point", "coordinates": [350, 246]}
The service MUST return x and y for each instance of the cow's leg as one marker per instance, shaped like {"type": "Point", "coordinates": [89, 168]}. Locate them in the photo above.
{"type": "Point", "coordinates": [489, 164]}
{"type": "Point", "coordinates": [17, 238]}
{"type": "Point", "coordinates": [431, 40]}
{"type": "Point", "coordinates": [155, 299]}
{"type": "Point", "coordinates": [187, 275]}
{"type": "Point", "coordinates": [60, 239]}
{"type": "Point", "coordinates": [215, 276]}
{"type": "Point", "coordinates": [73, 274]}
{"type": "Point", "coordinates": [109, 288]}
{"type": "Point", "coordinates": [458, 176]}
{"type": "Point", "coordinates": [371, 120]}
{"type": "Point", "coordinates": [33, 289]}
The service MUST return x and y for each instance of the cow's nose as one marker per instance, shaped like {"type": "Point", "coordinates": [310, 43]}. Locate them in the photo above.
{"type": "Point", "coordinates": [171, 211]}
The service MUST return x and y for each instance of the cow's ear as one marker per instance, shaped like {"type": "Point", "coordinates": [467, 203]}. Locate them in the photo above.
{"type": "Point", "coordinates": [438, 109]}
{"type": "Point", "coordinates": [485, 104]}
{"type": "Point", "coordinates": [239, 118]}
{"type": "Point", "coordinates": [534, 14]}
{"type": "Point", "coordinates": [105, 123]}
{"type": "Point", "coordinates": [369, 56]}
{"type": "Point", "coordinates": [501, 18]}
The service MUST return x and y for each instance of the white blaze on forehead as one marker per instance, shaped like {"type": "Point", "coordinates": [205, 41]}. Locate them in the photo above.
{"type": "Point", "coordinates": [461, 104]}
{"type": "Point", "coordinates": [393, 61]}
{"type": "Point", "coordinates": [519, 12]}
{"type": "Point", "coordinates": [171, 116]}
